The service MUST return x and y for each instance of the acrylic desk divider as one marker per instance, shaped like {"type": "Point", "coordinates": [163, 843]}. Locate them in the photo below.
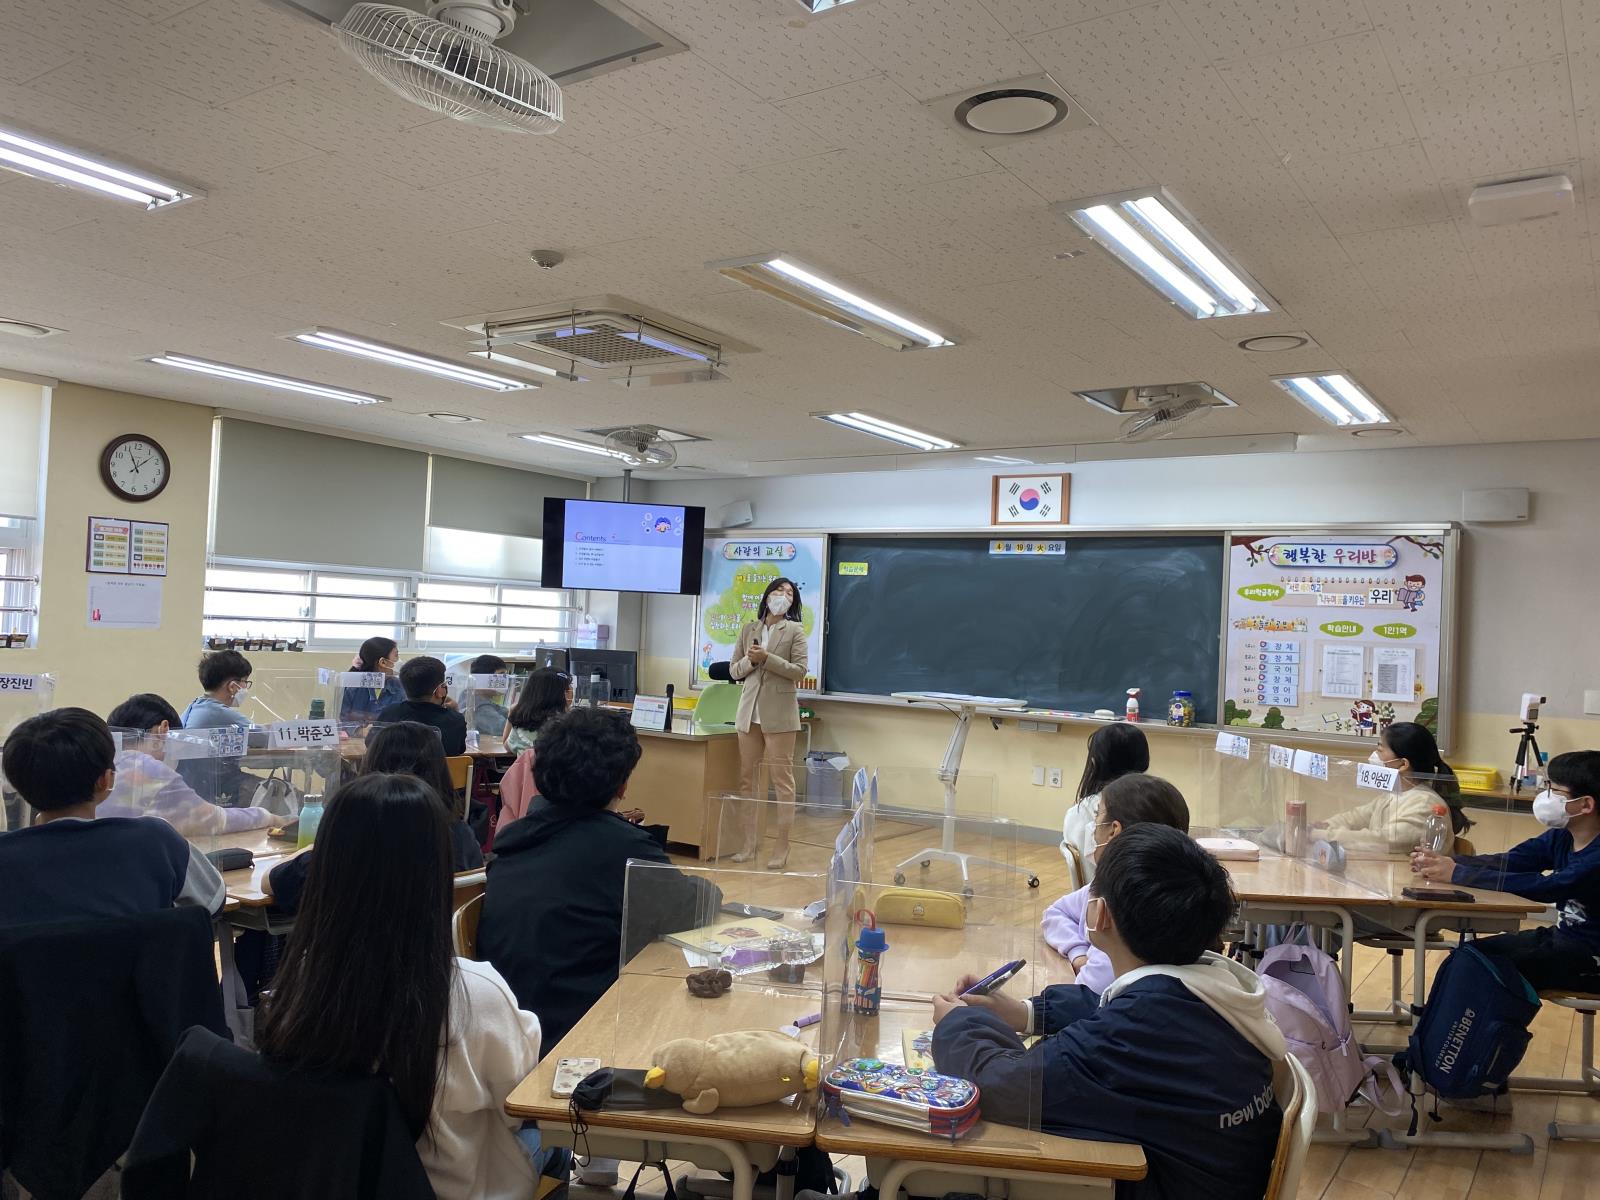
{"type": "Point", "coordinates": [226, 785]}
{"type": "Point", "coordinates": [878, 1016]}
{"type": "Point", "coordinates": [284, 694]}
{"type": "Point", "coordinates": [709, 951]}
{"type": "Point", "coordinates": [484, 699]}
{"type": "Point", "coordinates": [21, 696]}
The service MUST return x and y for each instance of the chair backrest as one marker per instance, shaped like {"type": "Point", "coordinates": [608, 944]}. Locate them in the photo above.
{"type": "Point", "coordinates": [464, 927]}
{"type": "Point", "coordinates": [460, 768]}
{"type": "Point", "coordinates": [1294, 1139]}
{"type": "Point", "coordinates": [1464, 845]}
{"type": "Point", "coordinates": [1077, 876]}
{"type": "Point", "coordinates": [718, 705]}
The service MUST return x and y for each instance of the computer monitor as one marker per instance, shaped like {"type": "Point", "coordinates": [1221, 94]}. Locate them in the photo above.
{"type": "Point", "coordinates": [616, 667]}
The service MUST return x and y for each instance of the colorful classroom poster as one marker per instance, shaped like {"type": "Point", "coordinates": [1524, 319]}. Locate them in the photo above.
{"type": "Point", "coordinates": [1331, 633]}
{"type": "Point", "coordinates": [736, 571]}
{"type": "Point", "coordinates": [108, 552]}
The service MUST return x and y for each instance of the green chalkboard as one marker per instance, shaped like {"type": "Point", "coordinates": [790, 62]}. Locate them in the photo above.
{"type": "Point", "coordinates": [1071, 631]}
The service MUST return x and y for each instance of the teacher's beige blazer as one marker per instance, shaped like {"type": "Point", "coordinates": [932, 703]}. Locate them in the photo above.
{"type": "Point", "coordinates": [768, 696]}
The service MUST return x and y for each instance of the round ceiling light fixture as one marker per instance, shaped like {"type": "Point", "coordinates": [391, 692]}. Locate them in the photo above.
{"type": "Point", "coordinates": [1011, 112]}
{"type": "Point", "coordinates": [1377, 431]}
{"type": "Point", "coordinates": [1273, 343]}
{"type": "Point", "coordinates": [450, 418]}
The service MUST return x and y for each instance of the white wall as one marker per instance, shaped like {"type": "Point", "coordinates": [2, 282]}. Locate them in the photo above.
{"type": "Point", "coordinates": [1528, 592]}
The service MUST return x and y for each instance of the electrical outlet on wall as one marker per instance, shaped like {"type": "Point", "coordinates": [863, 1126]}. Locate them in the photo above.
{"type": "Point", "coordinates": [1038, 777]}
{"type": "Point", "coordinates": [1055, 777]}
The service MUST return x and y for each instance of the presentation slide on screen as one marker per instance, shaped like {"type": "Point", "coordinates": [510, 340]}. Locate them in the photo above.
{"type": "Point", "coordinates": [623, 547]}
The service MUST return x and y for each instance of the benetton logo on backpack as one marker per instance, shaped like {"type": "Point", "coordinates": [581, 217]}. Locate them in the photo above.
{"type": "Point", "coordinates": [1454, 1040]}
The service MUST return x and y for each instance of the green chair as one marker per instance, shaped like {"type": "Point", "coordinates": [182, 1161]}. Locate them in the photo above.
{"type": "Point", "coordinates": [717, 707]}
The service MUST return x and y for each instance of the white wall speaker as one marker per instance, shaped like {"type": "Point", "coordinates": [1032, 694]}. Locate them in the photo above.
{"type": "Point", "coordinates": [734, 516]}
{"type": "Point", "coordinates": [1494, 504]}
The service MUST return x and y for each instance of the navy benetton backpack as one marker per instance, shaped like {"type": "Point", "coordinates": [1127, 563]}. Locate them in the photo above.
{"type": "Point", "coordinates": [1474, 1030]}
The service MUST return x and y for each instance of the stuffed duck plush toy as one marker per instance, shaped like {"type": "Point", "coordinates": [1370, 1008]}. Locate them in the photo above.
{"type": "Point", "coordinates": [733, 1070]}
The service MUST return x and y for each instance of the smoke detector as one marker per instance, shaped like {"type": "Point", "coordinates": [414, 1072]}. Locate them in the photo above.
{"type": "Point", "coordinates": [1520, 200]}
{"type": "Point", "coordinates": [1004, 112]}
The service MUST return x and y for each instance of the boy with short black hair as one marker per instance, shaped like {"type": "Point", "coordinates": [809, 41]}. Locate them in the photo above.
{"type": "Point", "coordinates": [1179, 1054]}
{"type": "Point", "coordinates": [224, 679]}
{"type": "Point", "coordinates": [1561, 867]}
{"type": "Point", "coordinates": [488, 713]}
{"type": "Point", "coordinates": [428, 701]}
{"type": "Point", "coordinates": [70, 865]}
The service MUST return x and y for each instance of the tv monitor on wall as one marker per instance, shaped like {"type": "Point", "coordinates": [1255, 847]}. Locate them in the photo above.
{"type": "Point", "coordinates": [612, 546]}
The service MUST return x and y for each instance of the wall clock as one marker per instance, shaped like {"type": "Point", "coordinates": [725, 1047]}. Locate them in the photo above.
{"type": "Point", "coordinates": [135, 467]}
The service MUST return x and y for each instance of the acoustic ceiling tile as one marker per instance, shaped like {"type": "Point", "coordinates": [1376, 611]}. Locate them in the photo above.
{"type": "Point", "coordinates": [1334, 97]}
{"type": "Point", "coordinates": [1232, 29]}
{"type": "Point", "coordinates": [1476, 125]}
{"type": "Point", "coordinates": [1071, 164]}
{"type": "Point", "coordinates": [1372, 189]}
{"type": "Point", "coordinates": [933, 47]}
{"type": "Point", "coordinates": [1437, 39]}
{"type": "Point", "coordinates": [1026, 17]}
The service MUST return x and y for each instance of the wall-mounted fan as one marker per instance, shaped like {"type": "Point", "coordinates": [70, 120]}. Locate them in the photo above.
{"type": "Point", "coordinates": [642, 446]}
{"type": "Point", "coordinates": [447, 62]}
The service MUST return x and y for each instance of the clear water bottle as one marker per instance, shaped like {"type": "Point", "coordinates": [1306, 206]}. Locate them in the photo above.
{"type": "Point", "coordinates": [310, 818]}
{"type": "Point", "coordinates": [599, 691]}
{"type": "Point", "coordinates": [1437, 834]}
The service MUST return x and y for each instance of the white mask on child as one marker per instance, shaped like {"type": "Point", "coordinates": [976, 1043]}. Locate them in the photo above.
{"type": "Point", "coordinates": [1551, 810]}
{"type": "Point", "coordinates": [1375, 759]}
{"type": "Point", "coordinates": [777, 604]}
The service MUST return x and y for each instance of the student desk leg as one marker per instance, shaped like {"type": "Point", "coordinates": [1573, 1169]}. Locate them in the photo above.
{"type": "Point", "coordinates": [892, 1174]}
{"type": "Point", "coordinates": [743, 1159]}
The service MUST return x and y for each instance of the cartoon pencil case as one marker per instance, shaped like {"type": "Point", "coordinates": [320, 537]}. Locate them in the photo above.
{"type": "Point", "coordinates": [870, 1089]}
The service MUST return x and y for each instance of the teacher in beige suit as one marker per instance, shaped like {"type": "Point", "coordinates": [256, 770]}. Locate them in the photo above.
{"type": "Point", "coordinates": [770, 659]}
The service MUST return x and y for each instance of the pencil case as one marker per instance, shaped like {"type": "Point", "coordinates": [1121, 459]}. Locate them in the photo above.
{"type": "Point", "coordinates": [870, 1089]}
{"type": "Point", "coordinates": [920, 906]}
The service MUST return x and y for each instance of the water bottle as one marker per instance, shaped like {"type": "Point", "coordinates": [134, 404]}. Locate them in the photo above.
{"type": "Point", "coordinates": [1437, 834]}
{"type": "Point", "coordinates": [310, 818]}
{"type": "Point", "coordinates": [319, 709]}
{"type": "Point", "coordinates": [867, 994]}
{"type": "Point", "coordinates": [1294, 829]}
{"type": "Point", "coordinates": [599, 691]}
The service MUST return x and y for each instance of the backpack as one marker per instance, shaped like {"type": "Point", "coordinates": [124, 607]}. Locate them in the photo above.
{"type": "Point", "coordinates": [1305, 996]}
{"type": "Point", "coordinates": [1474, 1029]}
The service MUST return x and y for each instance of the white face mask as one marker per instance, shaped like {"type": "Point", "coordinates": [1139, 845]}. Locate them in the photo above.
{"type": "Point", "coordinates": [1551, 810]}
{"type": "Point", "coordinates": [1375, 759]}
{"type": "Point", "coordinates": [778, 604]}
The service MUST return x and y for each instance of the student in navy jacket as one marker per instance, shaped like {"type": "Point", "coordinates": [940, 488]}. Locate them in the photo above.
{"type": "Point", "coordinates": [1179, 1054]}
{"type": "Point", "coordinates": [1561, 867]}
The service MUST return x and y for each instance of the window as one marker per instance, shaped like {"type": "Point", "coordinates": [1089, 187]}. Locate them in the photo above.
{"type": "Point", "coordinates": [337, 608]}
{"type": "Point", "coordinates": [19, 581]}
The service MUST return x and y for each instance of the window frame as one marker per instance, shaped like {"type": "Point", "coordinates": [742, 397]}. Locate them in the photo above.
{"type": "Point", "coordinates": [408, 626]}
{"type": "Point", "coordinates": [19, 578]}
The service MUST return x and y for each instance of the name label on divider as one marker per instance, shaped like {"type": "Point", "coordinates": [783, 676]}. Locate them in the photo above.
{"type": "Point", "coordinates": [1235, 745]}
{"type": "Point", "coordinates": [1280, 756]}
{"type": "Point", "coordinates": [1313, 765]}
{"type": "Point", "coordinates": [304, 733]}
{"type": "Point", "coordinates": [650, 712]}
{"type": "Point", "coordinates": [1376, 778]}
{"type": "Point", "coordinates": [362, 679]}
{"type": "Point", "coordinates": [19, 683]}
{"type": "Point", "coordinates": [324, 676]}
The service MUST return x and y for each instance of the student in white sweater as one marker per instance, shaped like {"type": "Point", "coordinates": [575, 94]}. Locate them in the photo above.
{"type": "Point", "coordinates": [1114, 751]}
{"type": "Point", "coordinates": [369, 981]}
{"type": "Point", "coordinates": [1392, 823]}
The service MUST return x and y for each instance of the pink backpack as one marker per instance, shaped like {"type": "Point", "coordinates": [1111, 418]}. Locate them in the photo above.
{"type": "Point", "coordinates": [1305, 995]}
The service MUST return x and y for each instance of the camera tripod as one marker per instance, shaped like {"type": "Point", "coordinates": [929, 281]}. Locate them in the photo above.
{"type": "Point", "coordinates": [1528, 730]}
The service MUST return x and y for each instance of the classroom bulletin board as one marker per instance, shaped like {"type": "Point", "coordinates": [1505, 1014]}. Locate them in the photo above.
{"type": "Point", "coordinates": [1337, 632]}
{"type": "Point", "coordinates": [735, 572]}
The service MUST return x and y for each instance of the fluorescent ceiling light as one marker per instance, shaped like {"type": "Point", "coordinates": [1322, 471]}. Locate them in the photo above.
{"type": "Point", "coordinates": [344, 343]}
{"type": "Point", "coordinates": [789, 281]}
{"type": "Point", "coordinates": [1004, 460]}
{"type": "Point", "coordinates": [33, 156]}
{"type": "Point", "coordinates": [284, 383]}
{"type": "Point", "coordinates": [500, 356]}
{"type": "Point", "coordinates": [450, 418]}
{"type": "Point", "coordinates": [1149, 232]}
{"type": "Point", "coordinates": [817, 6]}
{"type": "Point", "coordinates": [888, 430]}
{"type": "Point", "coordinates": [550, 439]}
{"type": "Point", "coordinates": [1336, 398]}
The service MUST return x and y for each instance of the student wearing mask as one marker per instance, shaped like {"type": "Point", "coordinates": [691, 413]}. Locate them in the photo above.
{"type": "Point", "coordinates": [224, 680]}
{"type": "Point", "coordinates": [1561, 867]}
{"type": "Point", "coordinates": [487, 714]}
{"type": "Point", "coordinates": [68, 864]}
{"type": "Point", "coordinates": [1178, 1055]}
{"type": "Point", "coordinates": [769, 659]}
{"type": "Point", "coordinates": [428, 701]}
{"type": "Point", "coordinates": [1394, 822]}
{"type": "Point", "coordinates": [546, 694]}
{"type": "Point", "coordinates": [1128, 801]}
{"type": "Point", "coordinates": [405, 748]}
{"type": "Point", "coordinates": [147, 787]}
{"type": "Point", "coordinates": [369, 983]}
{"type": "Point", "coordinates": [1114, 751]}
{"type": "Point", "coordinates": [361, 705]}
